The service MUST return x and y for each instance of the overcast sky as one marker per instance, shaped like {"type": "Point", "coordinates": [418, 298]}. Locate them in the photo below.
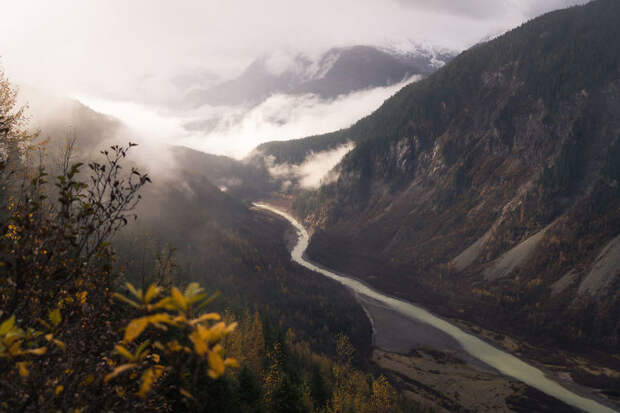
{"type": "Point", "coordinates": [107, 47]}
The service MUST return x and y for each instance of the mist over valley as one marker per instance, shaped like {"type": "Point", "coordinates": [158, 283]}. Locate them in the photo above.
{"type": "Point", "coordinates": [399, 206]}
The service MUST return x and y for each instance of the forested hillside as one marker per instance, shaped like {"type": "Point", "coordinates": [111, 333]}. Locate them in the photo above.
{"type": "Point", "coordinates": [489, 190]}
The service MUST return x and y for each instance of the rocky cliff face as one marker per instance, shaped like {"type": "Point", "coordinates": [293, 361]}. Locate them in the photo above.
{"type": "Point", "coordinates": [494, 183]}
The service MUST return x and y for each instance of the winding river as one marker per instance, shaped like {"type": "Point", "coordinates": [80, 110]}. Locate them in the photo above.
{"type": "Point", "coordinates": [505, 363]}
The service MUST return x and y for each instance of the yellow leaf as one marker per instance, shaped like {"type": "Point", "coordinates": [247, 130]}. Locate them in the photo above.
{"type": "Point", "coordinates": [160, 318]}
{"type": "Point", "coordinates": [49, 327]}
{"type": "Point", "coordinates": [55, 317]}
{"type": "Point", "coordinates": [230, 328]}
{"type": "Point", "coordinates": [59, 389]}
{"type": "Point", "coordinates": [135, 328]}
{"type": "Point", "coordinates": [37, 351]}
{"type": "Point", "coordinates": [205, 317]}
{"type": "Point", "coordinates": [231, 362]}
{"type": "Point", "coordinates": [160, 326]}
{"type": "Point", "coordinates": [178, 297]}
{"type": "Point", "coordinates": [217, 331]}
{"type": "Point", "coordinates": [50, 337]}
{"type": "Point", "coordinates": [185, 393]}
{"type": "Point", "coordinates": [81, 296]}
{"type": "Point", "coordinates": [216, 364]}
{"type": "Point", "coordinates": [59, 343]}
{"type": "Point", "coordinates": [165, 302]}
{"type": "Point", "coordinates": [179, 319]}
{"type": "Point", "coordinates": [119, 370]}
{"type": "Point", "coordinates": [149, 378]}
{"type": "Point", "coordinates": [206, 334]}
{"type": "Point", "coordinates": [123, 352]}
{"type": "Point", "coordinates": [152, 292]}
{"type": "Point", "coordinates": [200, 344]}
{"type": "Point", "coordinates": [126, 300]}
{"type": "Point", "coordinates": [132, 289]}
{"type": "Point", "coordinates": [22, 366]}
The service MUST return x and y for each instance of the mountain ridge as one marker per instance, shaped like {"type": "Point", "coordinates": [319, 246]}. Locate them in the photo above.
{"type": "Point", "coordinates": [508, 138]}
{"type": "Point", "coordinates": [337, 71]}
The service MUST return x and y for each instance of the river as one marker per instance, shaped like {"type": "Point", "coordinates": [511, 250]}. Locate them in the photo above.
{"type": "Point", "coordinates": [502, 361]}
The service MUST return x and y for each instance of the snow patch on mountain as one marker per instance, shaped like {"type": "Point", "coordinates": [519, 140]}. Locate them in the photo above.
{"type": "Point", "coordinates": [408, 50]}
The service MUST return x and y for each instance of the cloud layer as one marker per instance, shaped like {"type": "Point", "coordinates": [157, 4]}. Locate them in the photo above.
{"type": "Point", "coordinates": [317, 169]}
{"type": "Point", "coordinates": [489, 9]}
{"type": "Point", "coordinates": [235, 131]}
{"type": "Point", "coordinates": [123, 50]}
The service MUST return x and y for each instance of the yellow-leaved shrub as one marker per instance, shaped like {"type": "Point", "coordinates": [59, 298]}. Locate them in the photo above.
{"type": "Point", "coordinates": [180, 336]}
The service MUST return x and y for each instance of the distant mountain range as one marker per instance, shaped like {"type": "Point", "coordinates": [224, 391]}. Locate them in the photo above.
{"type": "Point", "coordinates": [335, 72]}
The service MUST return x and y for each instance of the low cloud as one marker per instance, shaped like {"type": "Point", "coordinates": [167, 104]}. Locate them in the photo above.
{"type": "Point", "coordinates": [136, 49]}
{"type": "Point", "coordinates": [489, 9]}
{"type": "Point", "coordinates": [316, 170]}
{"type": "Point", "coordinates": [236, 131]}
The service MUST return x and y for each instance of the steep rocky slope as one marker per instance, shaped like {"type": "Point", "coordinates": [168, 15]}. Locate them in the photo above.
{"type": "Point", "coordinates": [490, 190]}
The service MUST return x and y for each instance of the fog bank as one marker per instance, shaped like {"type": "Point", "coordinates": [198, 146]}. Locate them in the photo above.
{"type": "Point", "coordinates": [235, 131]}
{"type": "Point", "coordinates": [316, 170]}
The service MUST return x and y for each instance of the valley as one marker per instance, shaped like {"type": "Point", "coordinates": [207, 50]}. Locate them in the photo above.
{"type": "Point", "coordinates": [384, 206]}
{"type": "Point", "coordinates": [441, 337]}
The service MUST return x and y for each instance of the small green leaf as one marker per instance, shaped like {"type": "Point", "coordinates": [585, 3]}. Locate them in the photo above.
{"type": "Point", "coordinates": [55, 317]}
{"type": "Point", "coordinates": [7, 325]}
{"type": "Point", "coordinates": [192, 290]}
{"type": "Point", "coordinates": [142, 349]}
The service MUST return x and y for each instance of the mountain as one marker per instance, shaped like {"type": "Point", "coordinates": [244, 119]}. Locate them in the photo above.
{"type": "Point", "coordinates": [337, 71]}
{"type": "Point", "coordinates": [194, 205]}
{"type": "Point", "coordinates": [243, 180]}
{"type": "Point", "coordinates": [61, 119]}
{"type": "Point", "coordinates": [490, 190]}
